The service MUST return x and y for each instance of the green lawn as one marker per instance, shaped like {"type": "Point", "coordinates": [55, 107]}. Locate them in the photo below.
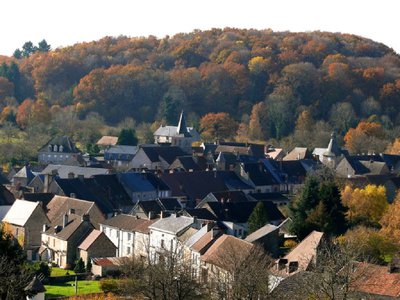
{"type": "Point", "coordinates": [68, 288]}
{"type": "Point", "coordinates": [60, 272]}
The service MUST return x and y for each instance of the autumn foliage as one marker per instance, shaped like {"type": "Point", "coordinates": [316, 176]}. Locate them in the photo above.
{"type": "Point", "coordinates": [215, 126]}
{"type": "Point", "coordinates": [365, 205]}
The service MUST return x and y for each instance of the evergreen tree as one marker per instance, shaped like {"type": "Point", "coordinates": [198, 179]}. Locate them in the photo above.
{"type": "Point", "coordinates": [127, 137]}
{"type": "Point", "coordinates": [13, 276]}
{"type": "Point", "coordinates": [79, 266]}
{"type": "Point", "coordinates": [43, 46]}
{"type": "Point", "coordinates": [89, 266]}
{"type": "Point", "coordinates": [258, 218]}
{"type": "Point", "coordinates": [17, 53]}
{"type": "Point", "coordinates": [28, 48]}
{"type": "Point", "coordinates": [318, 207]}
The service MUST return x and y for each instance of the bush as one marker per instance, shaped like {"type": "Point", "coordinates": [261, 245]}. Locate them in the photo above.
{"type": "Point", "coordinates": [290, 244]}
{"type": "Point", "coordinates": [109, 285]}
{"type": "Point", "coordinates": [79, 266]}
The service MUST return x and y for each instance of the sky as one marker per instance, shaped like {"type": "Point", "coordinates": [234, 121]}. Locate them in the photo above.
{"type": "Point", "coordinates": [66, 22]}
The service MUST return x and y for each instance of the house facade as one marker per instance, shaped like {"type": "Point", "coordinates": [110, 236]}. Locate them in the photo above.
{"type": "Point", "coordinates": [24, 221]}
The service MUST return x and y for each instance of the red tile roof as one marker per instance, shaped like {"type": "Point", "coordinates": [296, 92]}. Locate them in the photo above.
{"type": "Point", "coordinates": [376, 280]}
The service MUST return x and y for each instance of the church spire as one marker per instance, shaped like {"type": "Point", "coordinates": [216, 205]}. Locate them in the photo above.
{"type": "Point", "coordinates": [182, 127]}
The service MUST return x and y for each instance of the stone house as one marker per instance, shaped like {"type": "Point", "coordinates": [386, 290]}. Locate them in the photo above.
{"type": "Point", "coordinates": [59, 150]}
{"type": "Point", "coordinates": [96, 244]}
{"type": "Point", "coordinates": [25, 221]}
{"type": "Point", "coordinates": [60, 241]}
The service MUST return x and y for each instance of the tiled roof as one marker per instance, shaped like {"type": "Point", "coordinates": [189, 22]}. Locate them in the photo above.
{"type": "Point", "coordinates": [108, 261]}
{"type": "Point", "coordinates": [204, 242]}
{"type": "Point", "coordinates": [305, 252]}
{"type": "Point", "coordinates": [263, 231]}
{"type": "Point", "coordinates": [91, 238]}
{"type": "Point", "coordinates": [376, 280]}
{"type": "Point", "coordinates": [297, 153]}
{"type": "Point", "coordinates": [273, 196]}
{"type": "Point", "coordinates": [107, 140]}
{"type": "Point", "coordinates": [60, 205]}
{"type": "Point", "coordinates": [225, 249]}
{"type": "Point", "coordinates": [129, 223]}
{"type": "Point", "coordinates": [66, 232]}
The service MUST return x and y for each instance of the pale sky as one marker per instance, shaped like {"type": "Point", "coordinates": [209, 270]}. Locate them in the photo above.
{"type": "Point", "coordinates": [66, 22]}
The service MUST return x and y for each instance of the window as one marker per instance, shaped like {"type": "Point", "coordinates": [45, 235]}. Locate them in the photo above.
{"type": "Point", "coordinates": [129, 236]}
{"type": "Point", "coordinates": [240, 232]}
{"type": "Point", "coordinates": [235, 232]}
{"type": "Point", "coordinates": [54, 242]}
{"type": "Point", "coordinates": [162, 244]}
{"type": "Point", "coordinates": [128, 250]}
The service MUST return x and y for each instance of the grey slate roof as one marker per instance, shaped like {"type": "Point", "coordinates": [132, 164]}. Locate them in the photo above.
{"type": "Point", "coordinates": [172, 224]}
{"type": "Point", "coordinates": [263, 231]}
{"type": "Point", "coordinates": [64, 170]}
{"type": "Point", "coordinates": [65, 141]}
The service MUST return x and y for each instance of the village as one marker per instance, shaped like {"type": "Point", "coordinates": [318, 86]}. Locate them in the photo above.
{"type": "Point", "coordinates": [207, 205]}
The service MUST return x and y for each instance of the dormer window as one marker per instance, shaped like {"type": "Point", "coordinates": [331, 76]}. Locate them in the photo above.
{"type": "Point", "coordinates": [50, 148]}
{"type": "Point", "coordinates": [55, 148]}
{"type": "Point", "coordinates": [61, 148]}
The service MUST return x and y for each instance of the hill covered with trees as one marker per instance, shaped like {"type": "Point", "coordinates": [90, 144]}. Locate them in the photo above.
{"type": "Point", "coordinates": [291, 87]}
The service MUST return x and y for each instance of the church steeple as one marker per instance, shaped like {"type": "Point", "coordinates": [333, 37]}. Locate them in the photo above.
{"type": "Point", "coordinates": [182, 127]}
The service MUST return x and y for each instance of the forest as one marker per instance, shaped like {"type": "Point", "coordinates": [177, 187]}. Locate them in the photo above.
{"type": "Point", "coordinates": [283, 88]}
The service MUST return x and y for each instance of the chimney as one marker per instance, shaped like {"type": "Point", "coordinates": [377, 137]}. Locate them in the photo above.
{"type": "Point", "coordinates": [80, 177]}
{"type": "Point", "coordinates": [45, 227]}
{"type": "Point", "coordinates": [86, 217]}
{"type": "Point", "coordinates": [151, 215]}
{"type": "Point", "coordinates": [72, 195]}
{"type": "Point", "coordinates": [65, 220]}
{"type": "Point", "coordinates": [71, 211]}
{"type": "Point", "coordinates": [71, 175]}
{"type": "Point", "coordinates": [194, 219]}
{"type": "Point", "coordinates": [162, 215]}
{"type": "Point", "coordinates": [46, 183]}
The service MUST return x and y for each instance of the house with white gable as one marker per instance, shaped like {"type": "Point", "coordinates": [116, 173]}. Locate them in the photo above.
{"type": "Point", "coordinates": [129, 234]}
{"type": "Point", "coordinates": [165, 232]}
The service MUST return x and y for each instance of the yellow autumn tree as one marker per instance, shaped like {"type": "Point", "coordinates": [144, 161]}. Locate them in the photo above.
{"type": "Point", "coordinates": [365, 205]}
{"type": "Point", "coordinates": [390, 220]}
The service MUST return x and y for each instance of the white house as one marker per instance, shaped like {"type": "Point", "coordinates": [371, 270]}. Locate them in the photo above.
{"type": "Point", "coordinates": [164, 233]}
{"type": "Point", "coordinates": [128, 233]}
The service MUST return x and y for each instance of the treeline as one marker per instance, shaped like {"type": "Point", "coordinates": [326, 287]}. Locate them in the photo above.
{"type": "Point", "coordinates": [265, 80]}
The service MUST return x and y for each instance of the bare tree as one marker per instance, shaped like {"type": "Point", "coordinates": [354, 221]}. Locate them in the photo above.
{"type": "Point", "coordinates": [332, 277]}
{"type": "Point", "coordinates": [164, 275]}
{"type": "Point", "coordinates": [241, 274]}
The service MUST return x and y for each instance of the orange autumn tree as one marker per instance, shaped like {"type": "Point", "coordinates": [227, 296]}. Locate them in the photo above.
{"type": "Point", "coordinates": [24, 113]}
{"type": "Point", "coordinates": [365, 137]}
{"type": "Point", "coordinates": [365, 205]}
{"type": "Point", "coordinates": [215, 126]}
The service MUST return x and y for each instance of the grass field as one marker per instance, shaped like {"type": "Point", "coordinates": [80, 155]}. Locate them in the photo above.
{"type": "Point", "coordinates": [60, 272]}
{"type": "Point", "coordinates": [68, 288]}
